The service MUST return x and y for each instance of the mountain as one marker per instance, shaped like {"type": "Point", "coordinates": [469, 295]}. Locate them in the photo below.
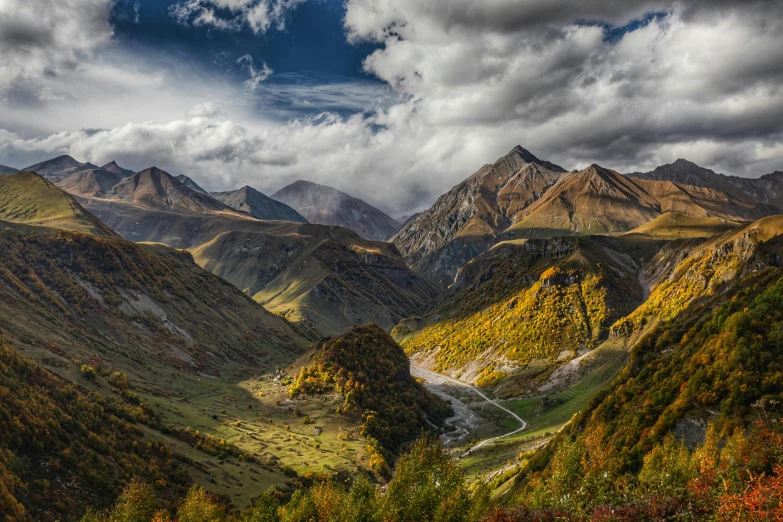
{"type": "Point", "coordinates": [328, 206]}
{"type": "Point", "coordinates": [520, 196]}
{"type": "Point", "coordinates": [464, 222]}
{"type": "Point", "coordinates": [601, 201]}
{"type": "Point", "coordinates": [403, 220]}
{"type": "Point", "coordinates": [91, 182]}
{"type": "Point", "coordinates": [7, 170]}
{"type": "Point", "coordinates": [116, 169]}
{"type": "Point", "coordinates": [59, 168]}
{"type": "Point", "coordinates": [323, 278]}
{"type": "Point", "coordinates": [536, 302]}
{"type": "Point", "coordinates": [185, 180]}
{"type": "Point", "coordinates": [155, 189]}
{"type": "Point", "coordinates": [766, 189]}
{"type": "Point", "coordinates": [253, 202]}
{"type": "Point", "coordinates": [27, 198]}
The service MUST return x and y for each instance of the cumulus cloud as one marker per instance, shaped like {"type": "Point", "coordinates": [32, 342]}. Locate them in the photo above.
{"type": "Point", "coordinates": [629, 85]}
{"type": "Point", "coordinates": [233, 15]}
{"type": "Point", "coordinates": [41, 40]}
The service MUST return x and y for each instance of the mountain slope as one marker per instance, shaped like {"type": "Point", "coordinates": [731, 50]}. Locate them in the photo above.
{"type": "Point", "coordinates": [465, 220]}
{"type": "Point", "coordinates": [90, 183]}
{"type": "Point", "coordinates": [57, 169]}
{"type": "Point", "coordinates": [324, 278]}
{"type": "Point", "coordinates": [766, 189]}
{"type": "Point", "coordinates": [328, 206]}
{"type": "Point", "coordinates": [539, 300]}
{"type": "Point", "coordinates": [29, 199]}
{"type": "Point", "coordinates": [57, 439]}
{"type": "Point", "coordinates": [116, 169]}
{"type": "Point", "coordinates": [712, 358]}
{"type": "Point", "coordinates": [155, 189]}
{"type": "Point", "coordinates": [258, 205]}
{"type": "Point", "coordinates": [8, 170]}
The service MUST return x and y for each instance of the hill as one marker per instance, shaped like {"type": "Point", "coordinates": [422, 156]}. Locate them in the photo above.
{"type": "Point", "coordinates": [116, 169]}
{"type": "Point", "coordinates": [464, 222]}
{"type": "Point", "coordinates": [57, 169]}
{"type": "Point", "coordinates": [253, 202]}
{"type": "Point", "coordinates": [323, 278]}
{"type": "Point", "coordinates": [372, 374]}
{"type": "Point", "coordinates": [767, 189]}
{"type": "Point", "coordinates": [4, 169]}
{"type": "Point", "coordinates": [328, 206]}
{"type": "Point", "coordinates": [90, 183]}
{"type": "Point", "coordinates": [27, 198]}
{"type": "Point", "coordinates": [190, 183]}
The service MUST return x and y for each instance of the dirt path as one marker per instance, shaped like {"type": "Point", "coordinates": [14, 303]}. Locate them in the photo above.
{"type": "Point", "coordinates": [437, 378]}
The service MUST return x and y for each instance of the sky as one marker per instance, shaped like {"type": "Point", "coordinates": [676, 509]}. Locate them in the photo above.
{"type": "Point", "coordinates": [393, 101]}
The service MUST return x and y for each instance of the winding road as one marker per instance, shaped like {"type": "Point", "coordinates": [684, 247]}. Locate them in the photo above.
{"type": "Point", "coordinates": [522, 424]}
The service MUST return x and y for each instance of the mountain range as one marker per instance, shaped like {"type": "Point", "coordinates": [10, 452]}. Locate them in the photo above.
{"type": "Point", "coordinates": [325, 278]}
{"type": "Point", "coordinates": [520, 196]}
{"type": "Point", "coordinates": [633, 321]}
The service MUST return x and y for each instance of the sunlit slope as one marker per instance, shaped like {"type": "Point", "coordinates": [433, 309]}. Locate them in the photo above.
{"type": "Point", "coordinates": [324, 278]}
{"type": "Point", "coordinates": [544, 301]}
{"type": "Point", "coordinates": [706, 350]}
{"type": "Point", "coordinates": [673, 225]}
{"type": "Point", "coordinates": [29, 199]}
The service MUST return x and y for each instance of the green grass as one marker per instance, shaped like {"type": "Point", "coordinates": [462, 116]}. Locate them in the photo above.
{"type": "Point", "coordinates": [29, 199]}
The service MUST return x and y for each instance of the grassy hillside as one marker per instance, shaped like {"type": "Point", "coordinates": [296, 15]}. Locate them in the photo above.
{"type": "Point", "coordinates": [63, 449]}
{"type": "Point", "coordinates": [372, 374]}
{"type": "Point", "coordinates": [534, 301]}
{"type": "Point", "coordinates": [29, 199]}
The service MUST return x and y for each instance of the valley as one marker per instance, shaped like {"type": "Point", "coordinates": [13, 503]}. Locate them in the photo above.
{"type": "Point", "coordinates": [257, 351]}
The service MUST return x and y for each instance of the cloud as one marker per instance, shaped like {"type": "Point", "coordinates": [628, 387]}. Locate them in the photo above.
{"type": "Point", "coordinates": [629, 85]}
{"type": "Point", "coordinates": [256, 75]}
{"type": "Point", "coordinates": [40, 41]}
{"type": "Point", "coordinates": [233, 15]}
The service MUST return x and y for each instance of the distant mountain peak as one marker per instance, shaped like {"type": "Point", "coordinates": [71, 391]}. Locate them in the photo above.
{"type": "Point", "coordinates": [113, 167]}
{"type": "Point", "coordinates": [188, 182]}
{"type": "Point", "coordinates": [325, 205]}
{"type": "Point", "coordinates": [155, 188]}
{"type": "Point", "coordinates": [257, 204]}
